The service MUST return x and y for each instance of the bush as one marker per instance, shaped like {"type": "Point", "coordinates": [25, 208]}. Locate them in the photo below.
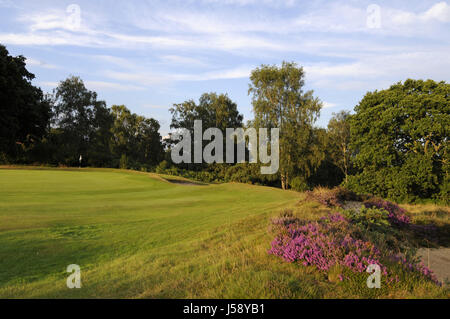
{"type": "Point", "coordinates": [339, 242]}
{"type": "Point", "coordinates": [368, 217]}
{"type": "Point", "coordinates": [162, 167]}
{"type": "Point", "coordinates": [298, 184]}
{"type": "Point", "coordinates": [325, 244]}
{"type": "Point", "coordinates": [335, 197]}
{"type": "Point", "coordinates": [396, 215]}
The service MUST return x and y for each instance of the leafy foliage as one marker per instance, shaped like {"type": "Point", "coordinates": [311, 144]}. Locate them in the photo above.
{"type": "Point", "coordinates": [368, 217]}
{"type": "Point", "coordinates": [214, 110]}
{"type": "Point", "coordinates": [24, 111]}
{"type": "Point", "coordinates": [279, 101]}
{"type": "Point", "coordinates": [400, 136]}
{"type": "Point", "coordinates": [396, 215]}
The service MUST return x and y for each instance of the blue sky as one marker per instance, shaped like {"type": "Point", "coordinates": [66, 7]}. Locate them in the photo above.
{"type": "Point", "coordinates": [151, 54]}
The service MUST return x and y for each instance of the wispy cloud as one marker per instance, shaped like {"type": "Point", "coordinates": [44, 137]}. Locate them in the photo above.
{"type": "Point", "coordinates": [149, 78]}
{"type": "Point", "coordinates": [152, 106]}
{"type": "Point", "coordinates": [327, 105]}
{"type": "Point", "coordinates": [97, 86]}
{"type": "Point", "coordinates": [182, 60]}
{"type": "Point", "coordinates": [439, 12]}
{"type": "Point", "coordinates": [176, 48]}
{"type": "Point", "coordinates": [39, 63]}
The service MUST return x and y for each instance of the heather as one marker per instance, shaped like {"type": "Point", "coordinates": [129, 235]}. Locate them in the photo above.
{"type": "Point", "coordinates": [349, 241]}
{"type": "Point", "coordinates": [334, 197]}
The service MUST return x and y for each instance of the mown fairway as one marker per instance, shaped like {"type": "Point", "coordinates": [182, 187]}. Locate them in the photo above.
{"type": "Point", "coordinates": [135, 235]}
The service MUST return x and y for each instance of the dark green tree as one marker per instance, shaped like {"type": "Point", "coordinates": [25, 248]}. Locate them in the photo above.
{"type": "Point", "coordinates": [401, 139]}
{"type": "Point", "coordinates": [214, 110]}
{"type": "Point", "coordinates": [327, 174]}
{"type": "Point", "coordinates": [77, 118]}
{"type": "Point", "coordinates": [24, 111]}
{"type": "Point", "coordinates": [135, 139]}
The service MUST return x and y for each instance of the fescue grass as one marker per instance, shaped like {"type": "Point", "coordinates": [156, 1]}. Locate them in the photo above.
{"type": "Point", "coordinates": [135, 235]}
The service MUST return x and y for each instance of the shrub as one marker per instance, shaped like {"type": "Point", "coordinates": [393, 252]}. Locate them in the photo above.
{"type": "Point", "coordinates": [162, 167]}
{"type": "Point", "coordinates": [338, 242]}
{"type": "Point", "coordinates": [334, 197]}
{"type": "Point", "coordinates": [299, 184]}
{"type": "Point", "coordinates": [324, 244]}
{"type": "Point", "coordinates": [397, 215]}
{"type": "Point", "coordinates": [369, 218]}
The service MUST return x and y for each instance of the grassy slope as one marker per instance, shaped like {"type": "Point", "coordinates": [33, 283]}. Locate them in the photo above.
{"type": "Point", "coordinates": [135, 235]}
{"type": "Point", "coordinates": [132, 235]}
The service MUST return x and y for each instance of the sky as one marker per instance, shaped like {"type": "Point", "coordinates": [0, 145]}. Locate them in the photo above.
{"type": "Point", "coordinates": [149, 55]}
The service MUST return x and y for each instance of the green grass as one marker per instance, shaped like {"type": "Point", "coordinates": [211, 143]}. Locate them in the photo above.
{"type": "Point", "coordinates": [135, 235]}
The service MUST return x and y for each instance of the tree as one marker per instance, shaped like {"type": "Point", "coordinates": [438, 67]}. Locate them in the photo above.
{"type": "Point", "coordinates": [401, 139]}
{"type": "Point", "coordinates": [24, 111]}
{"type": "Point", "coordinates": [279, 101]}
{"type": "Point", "coordinates": [135, 139]}
{"type": "Point", "coordinates": [100, 154]}
{"type": "Point", "coordinates": [77, 117]}
{"type": "Point", "coordinates": [327, 173]}
{"type": "Point", "coordinates": [339, 141]}
{"type": "Point", "coordinates": [213, 110]}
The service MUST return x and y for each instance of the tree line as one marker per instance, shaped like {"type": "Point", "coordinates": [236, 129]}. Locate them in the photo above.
{"type": "Point", "coordinates": [394, 145]}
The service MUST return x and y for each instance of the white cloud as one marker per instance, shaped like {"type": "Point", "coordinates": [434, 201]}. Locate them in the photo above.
{"type": "Point", "coordinates": [328, 105]}
{"type": "Point", "coordinates": [440, 12]}
{"type": "Point", "coordinates": [233, 73]}
{"type": "Point", "coordinates": [145, 79]}
{"type": "Point", "coordinates": [53, 39]}
{"type": "Point", "coordinates": [374, 71]}
{"type": "Point", "coordinates": [415, 22]}
{"type": "Point", "coordinates": [38, 63]}
{"type": "Point", "coordinates": [216, 30]}
{"type": "Point", "coordinates": [150, 78]}
{"type": "Point", "coordinates": [102, 85]}
{"type": "Point", "coordinates": [178, 36]}
{"type": "Point", "coordinates": [98, 86]}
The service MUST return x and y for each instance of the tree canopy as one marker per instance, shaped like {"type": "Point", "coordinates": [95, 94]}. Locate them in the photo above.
{"type": "Point", "coordinates": [279, 101]}
{"type": "Point", "coordinates": [24, 111]}
{"type": "Point", "coordinates": [400, 136]}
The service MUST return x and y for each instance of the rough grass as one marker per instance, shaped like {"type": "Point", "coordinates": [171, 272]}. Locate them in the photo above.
{"type": "Point", "coordinates": [136, 235]}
